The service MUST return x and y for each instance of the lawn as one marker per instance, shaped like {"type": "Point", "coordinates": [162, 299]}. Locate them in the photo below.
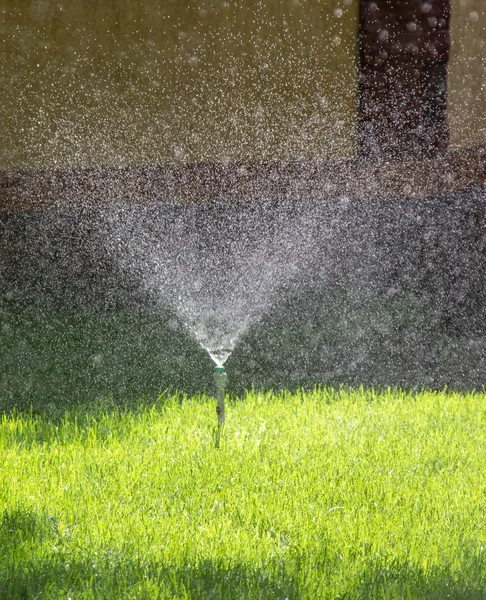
{"type": "Point", "coordinates": [319, 495]}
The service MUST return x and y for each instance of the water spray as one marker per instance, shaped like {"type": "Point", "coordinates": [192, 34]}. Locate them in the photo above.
{"type": "Point", "coordinates": [220, 381]}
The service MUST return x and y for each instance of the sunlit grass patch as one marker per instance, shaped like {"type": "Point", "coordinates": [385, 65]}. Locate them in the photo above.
{"type": "Point", "coordinates": [327, 494]}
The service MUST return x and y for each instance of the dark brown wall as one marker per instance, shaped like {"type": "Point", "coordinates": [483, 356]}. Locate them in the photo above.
{"type": "Point", "coordinates": [404, 49]}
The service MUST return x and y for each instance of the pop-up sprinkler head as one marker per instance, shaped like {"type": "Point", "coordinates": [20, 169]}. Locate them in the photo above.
{"type": "Point", "coordinates": [220, 380]}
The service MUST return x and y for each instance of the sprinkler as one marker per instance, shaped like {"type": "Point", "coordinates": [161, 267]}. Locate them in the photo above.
{"type": "Point", "coordinates": [220, 380]}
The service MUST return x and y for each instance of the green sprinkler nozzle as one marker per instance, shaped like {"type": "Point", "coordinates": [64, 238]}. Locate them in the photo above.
{"type": "Point", "coordinates": [220, 380]}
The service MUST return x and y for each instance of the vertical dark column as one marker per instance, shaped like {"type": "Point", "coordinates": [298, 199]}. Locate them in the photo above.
{"type": "Point", "coordinates": [404, 49]}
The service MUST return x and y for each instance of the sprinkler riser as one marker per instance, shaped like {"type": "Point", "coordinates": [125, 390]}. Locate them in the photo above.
{"type": "Point", "coordinates": [220, 381]}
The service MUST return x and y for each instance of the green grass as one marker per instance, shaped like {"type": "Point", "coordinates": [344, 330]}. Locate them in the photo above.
{"type": "Point", "coordinates": [322, 495]}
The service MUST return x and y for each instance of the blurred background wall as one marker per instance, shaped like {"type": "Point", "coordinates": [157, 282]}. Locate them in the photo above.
{"type": "Point", "coordinates": [141, 82]}
{"type": "Point", "coordinates": [467, 74]}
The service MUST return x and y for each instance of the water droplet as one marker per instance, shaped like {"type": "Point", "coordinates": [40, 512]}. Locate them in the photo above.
{"type": "Point", "coordinates": [383, 35]}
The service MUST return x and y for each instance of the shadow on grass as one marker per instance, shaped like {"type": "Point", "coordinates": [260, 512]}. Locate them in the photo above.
{"type": "Point", "coordinates": [51, 579]}
{"type": "Point", "coordinates": [59, 360]}
{"type": "Point", "coordinates": [115, 576]}
{"type": "Point", "coordinates": [404, 582]}
{"type": "Point", "coordinates": [36, 561]}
